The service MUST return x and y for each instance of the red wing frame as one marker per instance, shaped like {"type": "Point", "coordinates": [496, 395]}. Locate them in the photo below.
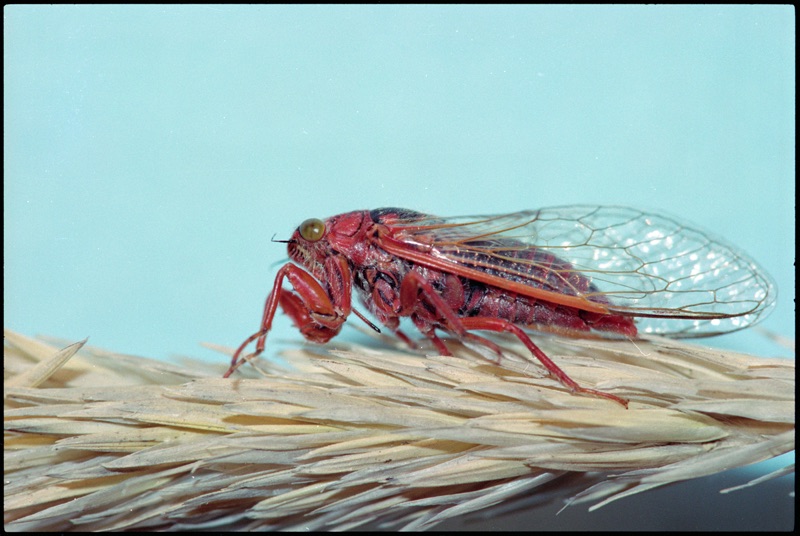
{"type": "Point", "coordinates": [680, 281]}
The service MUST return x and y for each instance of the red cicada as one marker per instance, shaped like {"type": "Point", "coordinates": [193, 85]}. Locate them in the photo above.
{"type": "Point", "coordinates": [570, 270]}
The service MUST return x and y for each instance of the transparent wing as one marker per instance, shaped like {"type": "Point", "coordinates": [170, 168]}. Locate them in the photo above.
{"type": "Point", "coordinates": [682, 281]}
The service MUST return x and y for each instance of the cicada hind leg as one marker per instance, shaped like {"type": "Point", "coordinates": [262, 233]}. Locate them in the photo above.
{"type": "Point", "coordinates": [415, 287]}
{"type": "Point", "coordinates": [499, 325]}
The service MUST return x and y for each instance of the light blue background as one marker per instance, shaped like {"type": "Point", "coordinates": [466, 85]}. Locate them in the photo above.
{"type": "Point", "coordinates": [151, 152]}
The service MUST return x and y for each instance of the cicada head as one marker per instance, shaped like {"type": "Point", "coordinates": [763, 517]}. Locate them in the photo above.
{"type": "Point", "coordinates": [315, 240]}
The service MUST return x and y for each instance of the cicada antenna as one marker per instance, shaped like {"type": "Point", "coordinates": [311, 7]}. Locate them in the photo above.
{"type": "Point", "coordinates": [290, 241]}
{"type": "Point", "coordinates": [281, 241]}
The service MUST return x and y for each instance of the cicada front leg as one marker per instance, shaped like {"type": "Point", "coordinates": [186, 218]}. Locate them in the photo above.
{"type": "Point", "coordinates": [317, 311]}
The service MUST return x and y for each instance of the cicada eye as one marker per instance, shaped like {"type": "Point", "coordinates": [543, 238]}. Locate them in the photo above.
{"type": "Point", "coordinates": [312, 229]}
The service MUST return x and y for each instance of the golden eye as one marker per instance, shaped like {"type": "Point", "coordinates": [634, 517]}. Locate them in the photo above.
{"type": "Point", "coordinates": [312, 229]}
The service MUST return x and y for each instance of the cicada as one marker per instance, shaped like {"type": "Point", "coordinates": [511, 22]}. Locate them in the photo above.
{"type": "Point", "coordinates": [572, 270]}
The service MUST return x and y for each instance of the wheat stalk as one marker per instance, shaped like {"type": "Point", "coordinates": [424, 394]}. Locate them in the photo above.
{"type": "Point", "coordinates": [344, 436]}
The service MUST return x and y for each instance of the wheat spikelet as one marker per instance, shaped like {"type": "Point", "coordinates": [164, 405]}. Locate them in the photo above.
{"type": "Point", "coordinates": [347, 436]}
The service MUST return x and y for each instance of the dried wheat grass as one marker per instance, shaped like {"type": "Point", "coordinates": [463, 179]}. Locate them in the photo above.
{"type": "Point", "coordinates": [339, 438]}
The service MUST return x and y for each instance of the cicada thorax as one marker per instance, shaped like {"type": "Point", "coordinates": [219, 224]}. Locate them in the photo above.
{"type": "Point", "coordinates": [378, 286]}
{"type": "Point", "coordinates": [390, 215]}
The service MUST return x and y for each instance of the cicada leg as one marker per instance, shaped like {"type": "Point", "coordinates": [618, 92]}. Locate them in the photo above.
{"type": "Point", "coordinates": [414, 284]}
{"type": "Point", "coordinates": [430, 333]}
{"type": "Point", "coordinates": [318, 313]}
{"type": "Point", "coordinates": [500, 325]}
